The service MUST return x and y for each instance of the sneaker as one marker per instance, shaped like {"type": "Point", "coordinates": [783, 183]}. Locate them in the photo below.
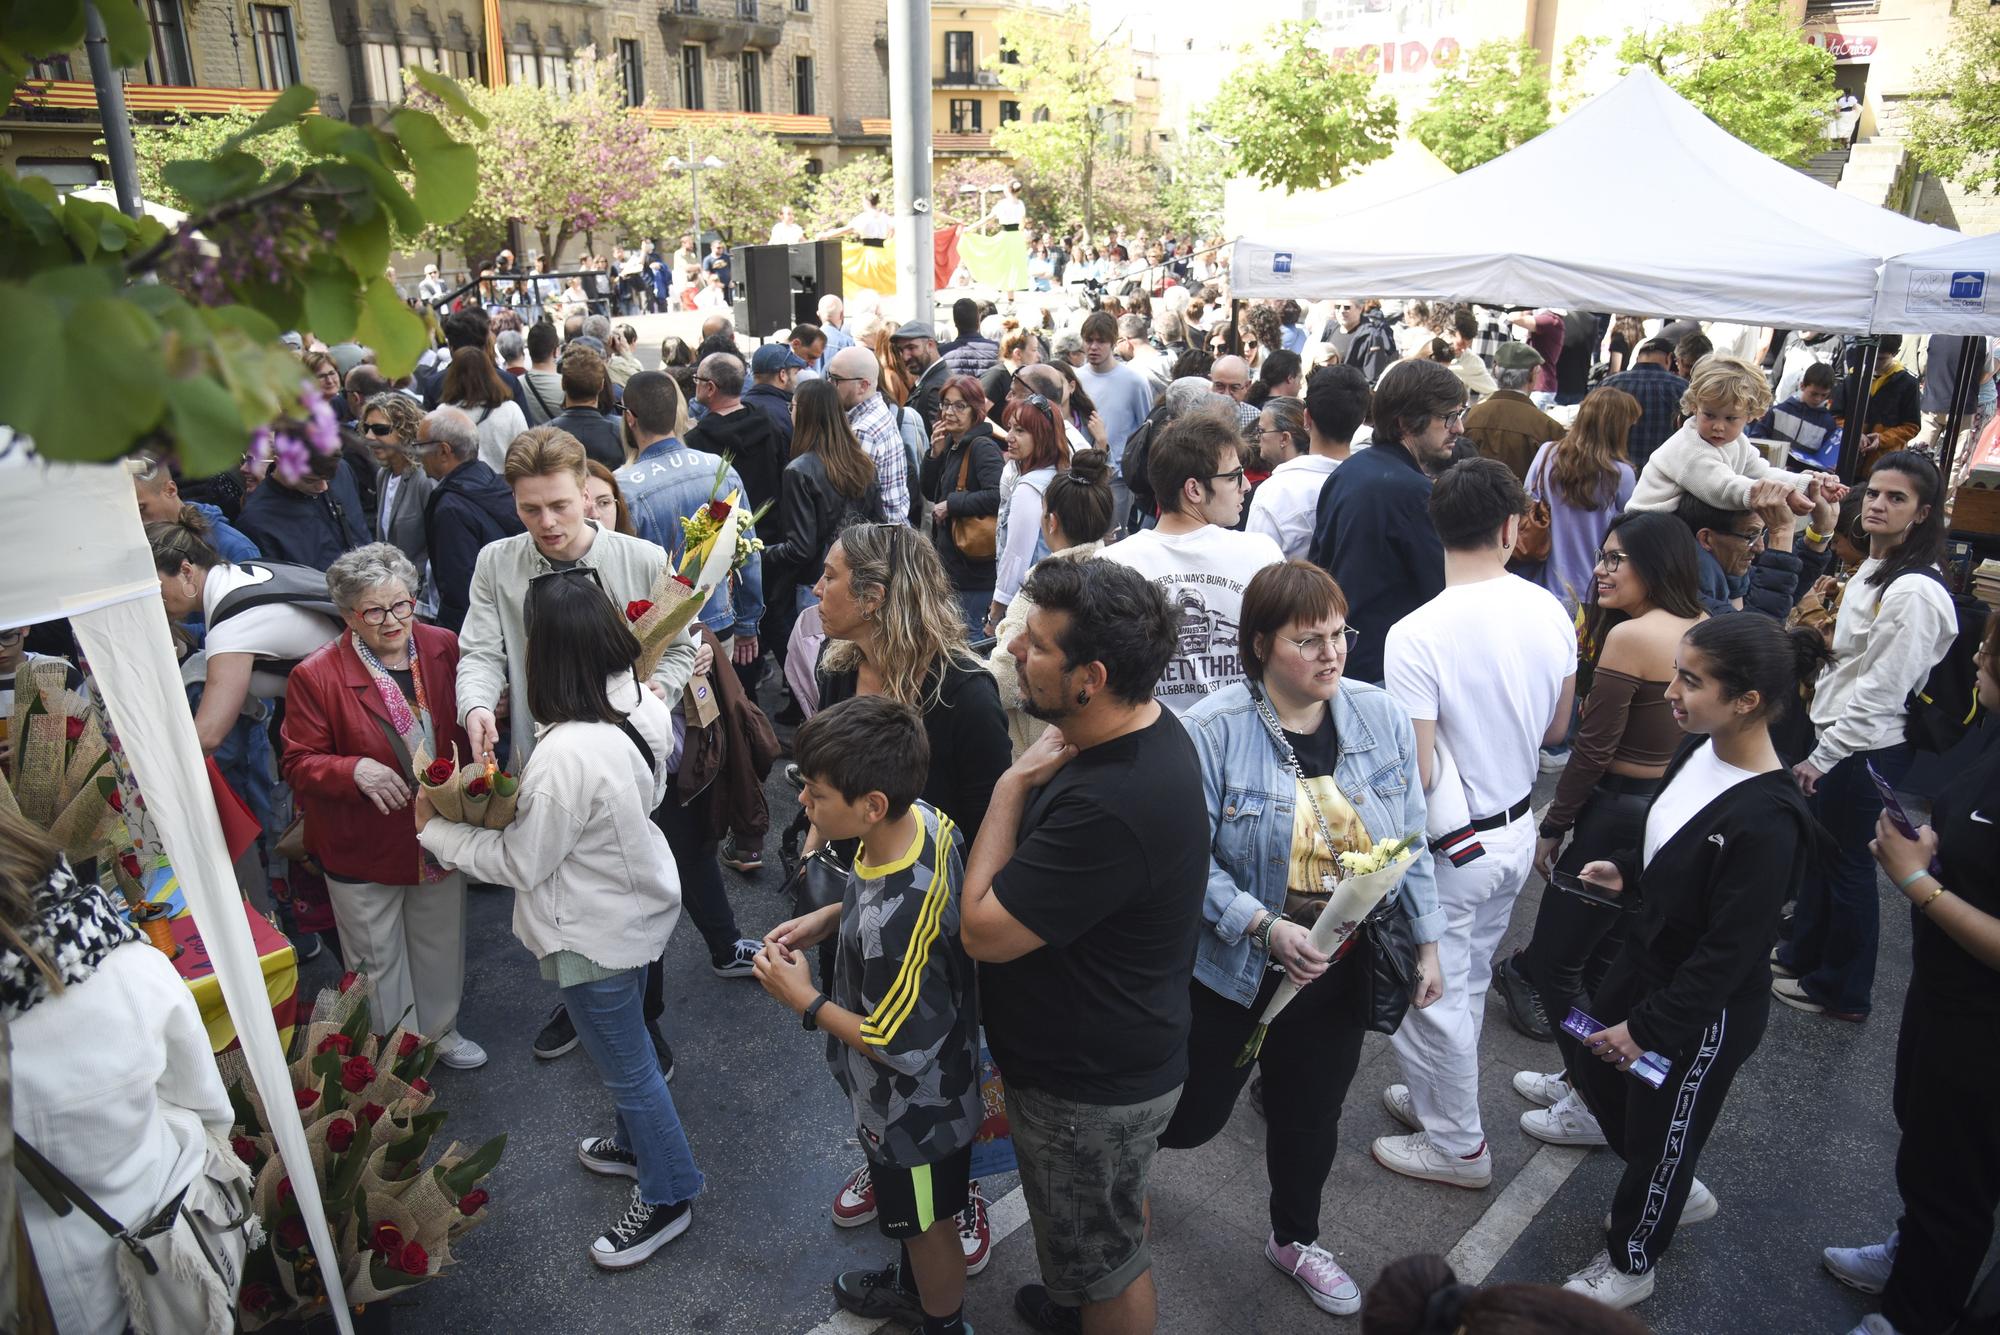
{"type": "Point", "coordinates": [1033, 1304]}
{"type": "Point", "coordinates": [975, 1234]}
{"type": "Point", "coordinates": [1566, 1122]}
{"type": "Point", "coordinates": [1701, 1206]}
{"type": "Point", "coordinates": [1415, 1156]}
{"type": "Point", "coordinates": [1331, 1288]}
{"type": "Point", "coordinates": [1793, 993]}
{"type": "Point", "coordinates": [1524, 1004]}
{"type": "Point", "coordinates": [1553, 762]}
{"type": "Point", "coordinates": [741, 856]}
{"type": "Point", "coordinates": [307, 947]}
{"type": "Point", "coordinates": [642, 1230]}
{"type": "Point", "coordinates": [855, 1203]}
{"type": "Point", "coordinates": [1874, 1324]}
{"type": "Point", "coordinates": [1396, 1098]}
{"type": "Point", "coordinates": [603, 1154]}
{"type": "Point", "coordinates": [1864, 1268]}
{"type": "Point", "coordinates": [741, 962]}
{"type": "Point", "coordinates": [1609, 1285]}
{"type": "Point", "coordinates": [1779, 967]}
{"type": "Point", "coordinates": [878, 1295]}
{"type": "Point", "coordinates": [557, 1037]}
{"type": "Point", "coordinates": [1546, 1090]}
{"type": "Point", "coordinates": [460, 1053]}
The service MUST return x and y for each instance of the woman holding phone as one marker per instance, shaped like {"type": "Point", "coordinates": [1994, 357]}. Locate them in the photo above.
{"type": "Point", "coordinates": [1723, 845]}
{"type": "Point", "coordinates": [1947, 1167]}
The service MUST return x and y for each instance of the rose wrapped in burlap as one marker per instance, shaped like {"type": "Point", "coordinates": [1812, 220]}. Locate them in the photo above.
{"type": "Point", "coordinates": [500, 808]}
{"type": "Point", "coordinates": [659, 618]}
{"type": "Point", "coordinates": [442, 780]}
{"type": "Point", "coordinates": [477, 788]}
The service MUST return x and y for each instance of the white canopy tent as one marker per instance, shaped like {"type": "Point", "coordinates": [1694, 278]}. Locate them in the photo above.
{"type": "Point", "coordinates": [1949, 289]}
{"type": "Point", "coordinates": [1636, 203]}
{"type": "Point", "coordinates": [74, 547]}
{"type": "Point", "coordinates": [1250, 205]}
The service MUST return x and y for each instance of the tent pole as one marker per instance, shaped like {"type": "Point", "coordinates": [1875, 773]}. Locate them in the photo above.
{"type": "Point", "coordinates": [1857, 410]}
{"type": "Point", "coordinates": [1969, 359]}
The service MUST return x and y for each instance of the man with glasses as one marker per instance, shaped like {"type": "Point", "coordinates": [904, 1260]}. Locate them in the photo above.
{"type": "Point", "coordinates": [1339, 332]}
{"type": "Point", "coordinates": [1506, 425]}
{"type": "Point", "coordinates": [1194, 556]}
{"type": "Point", "coordinates": [1748, 563]}
{"type": "Point", "coordinates": [309, 522]}
{"type": "Point", "coordinates": [1231, 377]}
{"type": "Point", "coordinates": [855, 376]}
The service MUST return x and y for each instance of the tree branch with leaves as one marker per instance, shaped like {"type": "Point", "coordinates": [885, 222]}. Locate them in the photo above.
{"type": "Point", "coordinates": [1954, 125]}
{"type": "Point", "coordinates": [1744, 66]}
{"type": "Point", "coordinates": [1488, 101]}
{"type": "Point", "coordinates": [1304, 118]}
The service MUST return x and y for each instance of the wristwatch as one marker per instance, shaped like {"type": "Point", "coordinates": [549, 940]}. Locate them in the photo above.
{"type": "Point", "coordinates": [810, 1017]}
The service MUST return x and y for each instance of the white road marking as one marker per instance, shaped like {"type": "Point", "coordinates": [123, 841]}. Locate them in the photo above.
{"type": "Point", "coordinates": [1512, 1211]}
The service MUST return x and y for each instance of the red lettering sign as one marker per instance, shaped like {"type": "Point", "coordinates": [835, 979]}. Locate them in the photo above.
{"type": "Point", "coordinates": [1841, 46]}
{"type": "Point", "coordinates": [1406, 58]}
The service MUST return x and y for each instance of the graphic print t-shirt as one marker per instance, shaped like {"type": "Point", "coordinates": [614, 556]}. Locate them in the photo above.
{"type": "Point", "coordinates": [1203, 574]}
{"type": "Point", "coordinates": [1318, 752]}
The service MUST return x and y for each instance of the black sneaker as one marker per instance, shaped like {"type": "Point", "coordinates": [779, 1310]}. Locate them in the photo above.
{"type": "Point", "coordinates": [1044, 1313]}
{"type": "Point", "coordinates": [602, 1154]}
{"type": "Point", "coordinates": [663, 1052]}
{"type": "Point", "coordinates": [641, 1231]}
{"type": "Point", "coordinates": [557, 1037]}
{"type": "Point", "coordinates": [878, 1295]}
{"type": "Point", "coordinates": [1524, 1004]}
{"type": "Point", "coordinates": [741, 962]}
{"type": "Point", "coordinates": [307, 947]}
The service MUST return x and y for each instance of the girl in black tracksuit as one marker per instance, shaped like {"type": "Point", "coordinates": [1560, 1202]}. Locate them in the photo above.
{"type": "Point", "coordinates": [1727, 840]}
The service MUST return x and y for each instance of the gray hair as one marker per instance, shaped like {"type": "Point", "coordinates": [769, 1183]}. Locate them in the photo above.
{"type": "Point", "coordinates": [1065, 344]}
{"type": "Point", "coordinates": [725, 372]}
{"type": "Point", "coordinates": [1172, 325]}
{"type": "Point", "coordinates": [1514, 377]}
{"type": "Point", "coordinates": [510, 345]}
{"type": "Point", "coordinates": [453, 430]}
{"type": "Point", "coordinates": [1134, 326]}
{"type": "Point", "coordinates": [370, 567]}
{"type": "Point", "coordinates": [1190, 391]}
{"type": "Point", "coordinates": [598, 327]}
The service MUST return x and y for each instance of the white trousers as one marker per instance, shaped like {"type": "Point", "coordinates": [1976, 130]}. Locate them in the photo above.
{"type": "Point", "coordinates": [411, 940]}
{"type": "Point", "coordinates": [1439, 1045]}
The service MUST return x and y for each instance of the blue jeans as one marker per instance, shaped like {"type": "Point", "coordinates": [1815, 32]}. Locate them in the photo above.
{"type": "Point", "coordinates": [1839, 916]}
{"type": "Point", "coordinates": [613, 1031]}
{"type": "Point", "coordinates": [974, 603]}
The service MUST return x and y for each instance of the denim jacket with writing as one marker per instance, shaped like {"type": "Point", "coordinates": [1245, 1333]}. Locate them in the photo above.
{"type": "Point", "coordinates": [1251, 800]}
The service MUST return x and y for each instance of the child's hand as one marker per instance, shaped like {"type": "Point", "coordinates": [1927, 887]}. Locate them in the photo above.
{"type": "Point", "coordinates": [1798, 502]}
{"type": "Point", "coordinates": [785, 976]}
{"type": "Point", "coordinates": [1832, 489]}
{"type": "Point", "coordinates": [807, 930]}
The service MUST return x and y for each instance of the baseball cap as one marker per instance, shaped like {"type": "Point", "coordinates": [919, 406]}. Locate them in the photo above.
{"type": "Point", "coordinates": [1516, 356]}
{"type": "Point", "coordinates": [774, 357]}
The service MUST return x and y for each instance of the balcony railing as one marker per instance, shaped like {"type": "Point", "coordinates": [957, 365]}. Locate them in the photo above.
{"type": "Point", "coordinates": [731, 24]}
{"type": "Point", "coordinates": [76, 95]}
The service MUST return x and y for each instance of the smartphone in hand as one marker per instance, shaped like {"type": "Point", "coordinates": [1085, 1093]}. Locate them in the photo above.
{"type": "Point", "coordinates": [1571, 884]}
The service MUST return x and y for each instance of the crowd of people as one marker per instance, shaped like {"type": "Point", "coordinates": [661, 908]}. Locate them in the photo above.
{"type": "Point", "coordinates": [1105, 646]}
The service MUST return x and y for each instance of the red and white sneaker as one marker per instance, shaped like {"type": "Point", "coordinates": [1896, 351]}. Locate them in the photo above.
{"type": "Point", "coordinates": [974, 1233]}
{"type": "Point", "coordinates": [855, 1205]}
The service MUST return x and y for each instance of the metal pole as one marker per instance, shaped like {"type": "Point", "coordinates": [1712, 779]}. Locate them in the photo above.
{"type": "Point", "coordinates": [910, 150]}
{"type": "Point", "coordinates": [1856, 424]}
{"type": "Point", "coordinates": [1971, 354]}
{"type": "Point", "coordinates": [111, 111]}
{"type": "Point", "coordinates": [694, 174]}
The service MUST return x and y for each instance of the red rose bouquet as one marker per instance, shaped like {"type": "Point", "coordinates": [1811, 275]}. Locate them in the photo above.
{"type": "Point", "coordinates": [60, 777]}
{"type": "Point", "coordinates": [443, 782]}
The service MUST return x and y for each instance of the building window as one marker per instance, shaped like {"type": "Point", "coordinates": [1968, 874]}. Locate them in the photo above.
{"type": "Point", "coordinates": [277, 50]}
{"type": "Point", "coordinates": [65, 174]}
{"type": "Point", "coordinates": [557, 75]}
{"type": "Point", "coordinates": [464, 65]}
{"type": "Point", "coordinates": [746, 10]}
{"type": "Point", "coordinates": [167, 61]}
{"type": "Point", "coordinates": [958, 57]}
{"type": "Point", "coordinates": [802, 84]}
{"type": "Point", "coordinates": [1009, 111]}
{"type": "Point", "coordinates": [691, 76]}
{"type": "Point", "coordinates": [1009, 56]}
{"type": "Point", "coordinates": [965, 115]}
{"type": "Point", "coordinates": [49, 67]}
{"type": "Point", "coordinates": [522, 68]}
{"type": "Point", "coordinates": [753, 81]}
{"type": "Point", "coordinates": [383, 71]}
{"type": "Point", "coordinates": [631, 72]}
{"type": "Point", "coordinates": [802, 6]}
{"type": "Point", "coordinates": [1041, 116]}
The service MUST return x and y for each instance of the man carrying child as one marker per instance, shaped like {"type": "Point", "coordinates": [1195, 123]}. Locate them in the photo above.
{"type": "Point", "coordinates": [1710, 459]}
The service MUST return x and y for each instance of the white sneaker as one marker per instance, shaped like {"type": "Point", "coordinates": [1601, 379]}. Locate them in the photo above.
{"type": "Point", "coordinates": [1396, 1098]}
{"type": "Point", "coordinates": [1874, 1324]}
{"type": "Point", "coordinates": [1554, 762]}
{"type": "Point", "coordinates": [1415, 1156]}
{"type": "Point", "coordinates": [1545, 1090]}
{"type": "Point", "coordinates": [1609, 1285]}
{"type": "Point", "coordinates": [1565, 1122]}
{"type": "Point", "coordinates": [460, 1053]}
{"type": "Point", "coordinates": [1701, 1206]}
{"type": "Point", "coordinates": [1864, 1268]}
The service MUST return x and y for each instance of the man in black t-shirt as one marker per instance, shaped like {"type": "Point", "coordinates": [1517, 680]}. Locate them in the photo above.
{"type": "Point", "coordinates": [1083, 897]}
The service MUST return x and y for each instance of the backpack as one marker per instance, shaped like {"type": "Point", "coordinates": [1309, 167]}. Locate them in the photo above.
{"type": "Point", "coordinates": [1946, 707]}
{"type": "Point", "coordinates": [289, 586]}
{"type": "Point", "coordinates": [1374, 348]}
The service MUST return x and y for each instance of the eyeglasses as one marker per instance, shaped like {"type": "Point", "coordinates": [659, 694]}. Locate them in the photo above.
{"type": "Point", "coordinates": [1457, 418]}
{"type": "Point", "coordinates": [703, 380]}
{"type": "Point", "coordinates": [1048, 409]}
{"type": "Point", "coordinates": [1263, 431]}
{"type": "Point", "coordinates": [569, 572]}
{"type": "Point", "coordinates": [375, 616]}
{"type": "Point", "coordinates": [848, 379]}
{"type": "Point", "coordinates": [1610, 562]}
{"type": "Point", "coordinates": [955, 406]}
{"type": "Point", "coordinates": [13, 633]}
{"type": "Point", "coordinates": [1337, 645]}
{"type": "Point", "coordinates": [1753, 537]}
{"type": "Point", "coordinates": [1229, 386]}
{"type": "Point", "coordinates": [378, 429]}
{"type": "Point", "coordinates": [1234, 475]}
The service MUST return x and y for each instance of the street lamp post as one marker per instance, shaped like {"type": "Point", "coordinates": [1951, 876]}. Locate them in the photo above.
{"type": "Point", "coordinates": [694, 167]}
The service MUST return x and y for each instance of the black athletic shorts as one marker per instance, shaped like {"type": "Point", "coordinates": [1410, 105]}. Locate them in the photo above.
{"type": "Point", "coordinates": [909, 1200]}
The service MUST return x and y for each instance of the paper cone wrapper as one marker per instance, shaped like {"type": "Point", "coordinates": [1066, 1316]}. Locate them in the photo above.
{"type": "Point", "coordinates": [472, 807]}
{"type": "Point", "coordinates": [447, 798]}
{"type": "Point", "coordinates": [721, 553]}
{"type": "Point", "coordinates": [500, 809]}
{"type": "Point", "coordinates": [675, 606]}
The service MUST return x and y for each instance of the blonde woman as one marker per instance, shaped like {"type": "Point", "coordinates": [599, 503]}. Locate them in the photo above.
{"type": "Point", "coordinates": [390, 421]}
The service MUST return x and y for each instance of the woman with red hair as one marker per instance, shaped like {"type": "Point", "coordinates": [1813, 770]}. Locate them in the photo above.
{"type": "Point", "coordinates": [1035, 452]}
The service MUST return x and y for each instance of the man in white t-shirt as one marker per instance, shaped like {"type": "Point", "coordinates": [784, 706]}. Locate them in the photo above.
{"type": "Point", "coordinates": [1194, 555]}
{"type": "Point", "coordinates": [1487, 669]}
{"type": "Point", "coordinates": [1287, 504]}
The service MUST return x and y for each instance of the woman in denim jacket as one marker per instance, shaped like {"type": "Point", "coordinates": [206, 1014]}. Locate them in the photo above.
{"type": "Point", "coordinates": [1267, 879]}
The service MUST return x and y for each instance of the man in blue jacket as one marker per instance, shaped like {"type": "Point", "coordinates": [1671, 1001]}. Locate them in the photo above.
{"type": "Point", "coordinates": [469, 506]}
{"type": "Point", "coordinates": [1749, 562]}
{"type": "Point", "coordinates": [1373, 531]}
{"type": "Point", "coordinates": [310, 522]}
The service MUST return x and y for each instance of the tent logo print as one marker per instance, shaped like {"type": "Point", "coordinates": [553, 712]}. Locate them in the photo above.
{"type": "Point", "coordinates": [1969, 285]}
{"type": "Point", "coordinates": [1281, 261]}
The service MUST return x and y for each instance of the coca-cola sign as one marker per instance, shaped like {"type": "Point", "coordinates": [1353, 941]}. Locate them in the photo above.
{"type": "Point", "coordinates": [1841, 46]}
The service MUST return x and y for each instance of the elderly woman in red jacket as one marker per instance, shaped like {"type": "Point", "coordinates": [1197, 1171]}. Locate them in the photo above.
{"type": "Point", "coordinates": [356, 713]}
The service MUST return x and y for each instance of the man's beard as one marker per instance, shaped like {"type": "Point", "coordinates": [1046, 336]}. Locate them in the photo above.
{"type": "Point", "coordinates": [1054, 712]}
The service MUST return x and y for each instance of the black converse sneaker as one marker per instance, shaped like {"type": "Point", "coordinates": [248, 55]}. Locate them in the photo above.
{"type": "Point", "coordinates": [879, 1295]}
{"type": "Point", "coordinates": [602, 1154]}
{"type": "Point", "coordinates": [641, 1231]}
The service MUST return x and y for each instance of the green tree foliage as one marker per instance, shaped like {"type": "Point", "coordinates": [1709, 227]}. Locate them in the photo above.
{"type": "Point", "coordinates": [1302, 119]}
{"type": "Point", "coordinates": [1062, 70]}
{"type": "Point", "coordinates": [1744, 65]}
{"type": "Point", "coordinates": [760, 175]}
{"type": "Point", "coordinates": [1191, 199]}
{"type": "Point", "coordinates": [191, 135]}
{"type": "Point", "coordinates": [1954, 126]}
{"type": "Point", "coordinates": [1489, 101]}
{"type": "Point", "coordinates": [191, 364]}
{"type": "Point", "coordinates": [843, 192]}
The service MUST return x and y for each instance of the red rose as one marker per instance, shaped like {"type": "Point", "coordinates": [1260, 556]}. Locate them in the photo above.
{"type": "Point", "coordinates": [371, 1113]}
{"type": "Point", "coordinates": [130, 862]}
{"type": "Point", "coordinates": [470, 1203]}
{"type": "Point", "coordinates": [478, 787]}
{"type": "Point", "coordinates": [73, 729]}
{"type": "Point", "coordinates": [420, 1085]}
{"type": "Point", "coordinates": [438, 772]}
{"type": "Point", "coordinates": [339, 1135]}
{"type": "Point", "coordinates": [340, 1043]}
{"type": "Point", "coordinates": [255, 1297]}
{"type": "Point", "coordinates": [246, 1148]}
{"type": "Point", "coordinates": [292, 1234]}
{"type": "Point", "coordinates": [348, 980]}
{"type": "Point", "coordinates": [284, 1189]}
{"type": "Point", "coordinates": [719, 510]}
{"type": "Point", "coordinates": [356, 1073]}
{"type": "Point", "coordinates": [387, 1239]}
{"type": "Point", "coordinates": [408, 1047]}
{"type": "Point", "coordinates": [115, 799]}
{"type": "Point", "coordinates": [684, 580]}
{"type": "Point", "coordinates": [635, 610]}
{"type": "Point", "coordinates": [307, 1098]}
{"type": "Point", "coordinates": [414, 1260]}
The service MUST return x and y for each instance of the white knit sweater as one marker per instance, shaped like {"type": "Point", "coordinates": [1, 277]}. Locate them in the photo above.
{"type": "Point", "coordinates": [1721, 475]}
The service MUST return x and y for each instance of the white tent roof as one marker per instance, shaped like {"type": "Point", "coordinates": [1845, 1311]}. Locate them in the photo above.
{"type": "Point", "coordinates": [1951, 289]}
{"type": "Point", "coordinates": [1248, 205]}
{"type": "Point", "coordinates": [1636, 203]}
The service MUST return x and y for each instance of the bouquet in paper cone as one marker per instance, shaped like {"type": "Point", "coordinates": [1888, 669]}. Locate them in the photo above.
{"type": "Point", "coordinates": [61, 777]}
{"type": "Point", "coordinates": [717, 539]}
{"type": "Point", "coordinates": [443, 782]}
{"type": "Point", "coordinates": [1371, 876]}
{"type": "Point", "coordinates": [506, 792]}
{"type": "Point", "coordinates": [369, 1122]}
{"type": "Point", "coordinates": [477, 787]}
